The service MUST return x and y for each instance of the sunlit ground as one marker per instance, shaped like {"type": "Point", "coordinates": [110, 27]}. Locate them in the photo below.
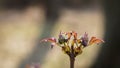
{"type": "Point", "coordinates": [20, 29]}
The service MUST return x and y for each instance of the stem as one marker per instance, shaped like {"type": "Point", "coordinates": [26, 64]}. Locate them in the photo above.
{"type": "Point", "coordinates": [72, 58]}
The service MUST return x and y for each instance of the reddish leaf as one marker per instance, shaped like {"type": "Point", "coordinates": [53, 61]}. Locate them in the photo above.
{"type": "Point", "coordinates": [74, 34]}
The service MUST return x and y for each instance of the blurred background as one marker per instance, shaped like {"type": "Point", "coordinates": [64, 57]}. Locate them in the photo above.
{"type": "Point", "coordinates": [23, 23]}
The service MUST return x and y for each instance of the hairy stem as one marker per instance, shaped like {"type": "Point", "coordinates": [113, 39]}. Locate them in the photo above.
{"type": "Point", "coordinates": [72, 58]}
